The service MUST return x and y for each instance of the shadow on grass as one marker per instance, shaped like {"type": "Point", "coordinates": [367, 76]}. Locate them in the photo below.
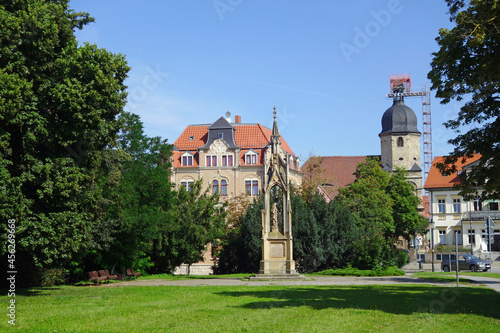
{"type": "Point", "coordinates": [390, 299]}
{"type": "Point", "coordinates": [28, 291]}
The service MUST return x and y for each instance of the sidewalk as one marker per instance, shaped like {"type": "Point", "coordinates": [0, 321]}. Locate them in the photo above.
{"type": "Point", "coordinates": [413, 267]}
{"type": "Point", "coordinates": [491, 283]}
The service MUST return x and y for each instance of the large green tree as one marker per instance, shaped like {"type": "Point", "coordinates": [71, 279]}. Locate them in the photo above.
{"type": "Point", "coordinates": [466, 68]}
{"type": "Point", "coordinates": [58, 108]}
{"type": "Point", "coordinates": [385, 207]}
{"type": "Point", "coordinates": [368, 199]}
{"type": "Point", "coordinates": [405, 214]}
{"type": "Point", "coordinates": [195, 219]}
{"type": "Point", "coordinates": [140, 202]}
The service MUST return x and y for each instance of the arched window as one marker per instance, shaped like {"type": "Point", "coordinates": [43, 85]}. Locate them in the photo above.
{"type": "Point", "coordinates": [223, 187]}
{"type": "Point", "coordinates": [215, 186]}
{"type": "Point", "coordinates": [401, 142]}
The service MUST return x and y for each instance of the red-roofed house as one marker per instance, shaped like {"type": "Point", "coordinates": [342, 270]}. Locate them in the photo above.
{"type": "Point", "coordinates": [228, 157]}
{"type": "Point", "coordinates": [455, 216]}
{"type": "Point", "coordinates": [332, 172]}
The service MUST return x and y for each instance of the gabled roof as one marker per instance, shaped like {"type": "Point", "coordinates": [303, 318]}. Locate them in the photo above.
{"type": "Point", "coordinates": [337, 171]}
{"type": "Point", "coordinates": [436, 180]}
{"type": "Point", "coordinates": [247, 136]}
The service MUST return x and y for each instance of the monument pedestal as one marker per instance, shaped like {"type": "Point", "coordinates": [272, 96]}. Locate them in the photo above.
{"type": "Point", "coordinates": [277, 242]}
{"type": "Point", "coordinates": [281, 277]}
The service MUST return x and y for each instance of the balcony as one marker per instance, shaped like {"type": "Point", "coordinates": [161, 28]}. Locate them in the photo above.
{"type": "Point", "coordinates": [482, 215]}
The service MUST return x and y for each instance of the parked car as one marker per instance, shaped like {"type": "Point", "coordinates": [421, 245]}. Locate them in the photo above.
{"type": "Point", "coordinates": [465, 262]}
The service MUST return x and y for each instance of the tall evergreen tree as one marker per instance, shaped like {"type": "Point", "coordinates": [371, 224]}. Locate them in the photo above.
{"type": "Point", "coordinates": [407, 220]}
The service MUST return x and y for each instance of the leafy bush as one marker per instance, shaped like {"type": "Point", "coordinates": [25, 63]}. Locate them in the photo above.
{"type": "Point", "coordinates": [374, 252]}
{"type": "Point", "coordinates": [451, 248]}
{"type": "Point", "coordinates": [53, 276]}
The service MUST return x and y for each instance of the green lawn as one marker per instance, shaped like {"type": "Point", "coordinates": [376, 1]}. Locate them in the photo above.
{"type": "Point", "coordinates": [393, 308]}
{"type": "Point", "coordinates": [452, 276]}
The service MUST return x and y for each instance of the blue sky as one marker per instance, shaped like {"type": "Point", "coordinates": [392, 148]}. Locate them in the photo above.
{"type": "Point", "coordinates": [324, 64]}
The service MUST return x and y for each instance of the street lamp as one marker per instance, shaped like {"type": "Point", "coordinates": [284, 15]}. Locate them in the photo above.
{"type": "Point", "coordinates": [432, 225]}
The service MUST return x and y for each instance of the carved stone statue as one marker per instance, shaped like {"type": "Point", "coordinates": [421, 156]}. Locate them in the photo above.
{"type": "Point", "coordinates": [274, 217]}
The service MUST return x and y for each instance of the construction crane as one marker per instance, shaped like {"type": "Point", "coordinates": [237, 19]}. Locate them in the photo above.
{"type": "Point", "coordinates": [425, 94]}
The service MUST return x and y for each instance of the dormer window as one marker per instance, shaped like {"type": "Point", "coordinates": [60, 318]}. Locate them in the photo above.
{"type": "Point", "coordinates": [220, 136]}
{"type": "Point", "coordinates": [251, 158]}
{"type": "Point", "coordinates": [191, 138]}
{"type": "Point", "coordinates": [187, 159]}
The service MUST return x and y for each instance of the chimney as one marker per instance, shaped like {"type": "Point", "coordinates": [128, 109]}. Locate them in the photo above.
{"type": "Point", "coordinates": [237, 119]}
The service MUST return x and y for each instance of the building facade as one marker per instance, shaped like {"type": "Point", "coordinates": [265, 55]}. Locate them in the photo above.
{"type": "Point", "coordinates": [229, 159]}
{"type": "Point", "coordinates": [457, 220]}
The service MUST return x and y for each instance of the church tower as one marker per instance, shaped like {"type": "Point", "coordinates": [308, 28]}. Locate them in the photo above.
{"type": "Point", "coordinates": [400, 140]}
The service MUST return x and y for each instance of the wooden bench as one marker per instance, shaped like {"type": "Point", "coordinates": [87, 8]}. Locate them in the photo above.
{"type": "Point", "coordinates": [94, 277]}
{"type": "Point", "coordinates": [130, 273]}
{"type": "Point", "coordinates": [104, 273]}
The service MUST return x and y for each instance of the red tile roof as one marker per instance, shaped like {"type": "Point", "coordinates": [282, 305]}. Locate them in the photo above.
{"type": "Point", "coordinates": [247, 136]}
{"type": "Point", "coordinates": [199, 134]}
{"type": "Point", "coordinates": [337, 171]}
{"type": "Point", "coordinates": [436, 180]}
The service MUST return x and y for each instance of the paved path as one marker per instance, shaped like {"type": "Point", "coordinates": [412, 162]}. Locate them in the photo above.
{"type": "Point", "coordinates": [489, 282]}
{"type": "Point", "coordinates": [316, 281]}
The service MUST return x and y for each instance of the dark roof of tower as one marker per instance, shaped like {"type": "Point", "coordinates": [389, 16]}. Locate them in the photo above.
{"type": "Point", "coordinates": [399, 118]}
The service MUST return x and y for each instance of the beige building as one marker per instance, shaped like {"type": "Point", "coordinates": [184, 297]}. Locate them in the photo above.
{"type": "Point", "coordinates": [229, 159]}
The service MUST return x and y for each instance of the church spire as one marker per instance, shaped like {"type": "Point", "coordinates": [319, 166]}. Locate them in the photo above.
{"type": "Point", "coordinates": [275, 137]}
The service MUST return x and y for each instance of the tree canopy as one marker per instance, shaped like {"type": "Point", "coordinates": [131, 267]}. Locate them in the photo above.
{"type": "Point", "coordinates": [86, 187]}
{"type": "Point", "coordinates": [58, 108]}
{"type": "Point", "coordinates": [466, 69]}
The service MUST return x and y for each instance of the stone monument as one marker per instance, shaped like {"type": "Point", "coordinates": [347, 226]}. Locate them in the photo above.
{"type": "Point", "coordinates": [277, 241]}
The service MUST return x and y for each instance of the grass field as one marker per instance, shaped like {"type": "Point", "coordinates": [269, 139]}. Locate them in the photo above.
{"type": "Point", "coordinates": [385, 308]}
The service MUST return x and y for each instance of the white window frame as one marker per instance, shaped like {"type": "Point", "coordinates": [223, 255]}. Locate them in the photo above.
{"type": "Point", "coordinates": [254, 186]}
{"type": "Point", "coordinates": [226, 158]}
{"type": "Point", "coordinates": [210, 163]}
{"type": "Point", "coordinates": [441, 206]}
{"type": "Point", "coordinates": [188, 157]}
{"type": "Point", "coordinates": [457, 205]}
{"type": "Point", "coordinates": [252, 157]}
{"type": "Point", "coordinates": [442, 236]}
{"type": "Point", "coordinates": [187, 184]}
